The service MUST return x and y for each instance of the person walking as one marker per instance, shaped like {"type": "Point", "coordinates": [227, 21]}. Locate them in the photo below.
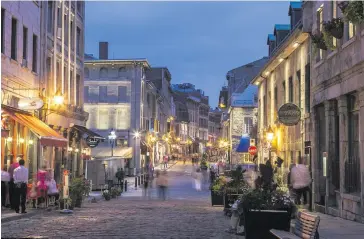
{"type": "Point", "coordinates": [5, 178]}
{"type": "Point", "coordinates": [198, 179]}
{"type": "Point", "coordinates": [11, 182]}
{"type": "Point", "coordinates": [300, 181]}
{"type": "Point", "coordinates": [120, 176]}
{"type": "Point", "coordinates": [21, 175]}
{"type": "Point", "coordinates": [162, 183]}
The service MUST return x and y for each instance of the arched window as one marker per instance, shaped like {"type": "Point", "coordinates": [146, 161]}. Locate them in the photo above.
{"type": "Point", "coordinates": [87, 73]}
{"type": "Point", "coordinates": [103, 72]}
{"type": "Point", "coordinates": [122, 70]}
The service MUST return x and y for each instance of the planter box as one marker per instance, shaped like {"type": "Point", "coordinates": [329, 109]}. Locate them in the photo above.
{"type": "Point", "coordinates": [258, 223]}
{"type": "Point", "coordinates": [217, 198]}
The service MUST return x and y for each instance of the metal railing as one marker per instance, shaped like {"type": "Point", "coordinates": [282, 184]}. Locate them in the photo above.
{"type": "Point", "coordinates": [335, 169]}
{"type": "Point", "coordinates": [352, 175]}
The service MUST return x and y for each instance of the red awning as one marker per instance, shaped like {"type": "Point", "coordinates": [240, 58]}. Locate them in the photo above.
{"type": "Point", "coordinates": [47, 136]}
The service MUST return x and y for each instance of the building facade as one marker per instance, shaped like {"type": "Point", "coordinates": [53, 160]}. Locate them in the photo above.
{"type": "Point", "coordinates": [284, 79]}
{"type": "Point", "coordinates": [45, 47]}
{"type": "Point", "coordinates": [337, 107]}
{"type": "Point", "coordinates": [114, 94]}
{"type": "Point", "coordinates": [197, 105]}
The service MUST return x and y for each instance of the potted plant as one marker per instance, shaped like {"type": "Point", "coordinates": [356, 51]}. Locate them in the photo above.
{"type": "Point", "coordinates": [77, 190]}
{"type": "Point", "coordinates": [115, 192]}
{"type": "Point", "coordinates": [203, 165]}
{"type": "Point", "coordinates": [354, 12]}
{"type": "Point", "coordinates": [106, 195]}
{"type": "Point", "coordinates": [318, 41]}
{"type": "Point", "coordinates": [335, 27]}
{"type": "Point", "coordinates": [265, 207]}
{"type": "Point", "coordinates": [217, 191]}
{"type": "Point", "coordinates": [66, 203]}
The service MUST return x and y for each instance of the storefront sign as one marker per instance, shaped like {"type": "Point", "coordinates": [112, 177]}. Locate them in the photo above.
{"type": "Point", "coordinates": [92, 142]}
{"type": "Point", "coordinates": [289, 114]}
{"type": "Point", "coordinates": [30, 103]}
{"type": "Point", "coordinates": [253, 150]}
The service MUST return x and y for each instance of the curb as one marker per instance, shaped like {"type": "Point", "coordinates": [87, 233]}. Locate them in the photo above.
{"type": "Point", "coordinates": [14, 217]}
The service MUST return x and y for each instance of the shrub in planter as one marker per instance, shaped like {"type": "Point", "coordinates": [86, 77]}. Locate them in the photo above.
{"type": "Point", "coordinates": [115, 191]}
{"type": "Point", "coordinates": [354, 12]}
{"type": "Point", "coordinates": [318, 41]}
{"type": "Point", "coordinates": [66, 203]}
{"type": "Point", "coordinates": [217, 191]}
{"type": "Point", "coordinates": [106, 194]}
{"type": "Point", "coordinates": [334, 27]}
{"type": "Point", "coordinates": [77, 190]}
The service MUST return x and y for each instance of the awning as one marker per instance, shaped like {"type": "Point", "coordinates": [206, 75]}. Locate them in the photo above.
{"type": "Point", "coordinates": [90, 133]}
{"type": "Point", "coordinates": [243, 145]}
{"type": "Point", "coordinates": [47, 136]}
{"type": "Point", "coordinates": [118, 152]}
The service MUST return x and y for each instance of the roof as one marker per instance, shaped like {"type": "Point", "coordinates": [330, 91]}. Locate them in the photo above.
{"type": "Point", "coordinates": [254, 63]}
{"type": "Point", "coordinates": [295, 5]}
{"type": "Point", "coordinates": [144, 61]}
{"type": "Point", "coordinates": [246, 98]}
{"type": "Point", "coordinates": [271, 37]}
{"type": "Point", "coordinates": [282, 27]}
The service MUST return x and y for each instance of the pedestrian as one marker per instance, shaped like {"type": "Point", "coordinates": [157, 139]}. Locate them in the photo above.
{"type": "Point", "coordinates": [120, 176]}
{"type": "Point", "coordinates": [212, 174]}
{"type": "Point", "coordinates": [41, 184]}
{"type": "Point", "coordinates": [184, 160]}
{"type": "Point", "coordinates": [145, 186]}
{"type": "Point", "coordinates": [198, 179]}
{"type": "Point", "coordinates": [52, 188]}
{"type": "Point", "coordinates": [11, 182]}
{"type": "Point", "coordinates": [165, 160]}
{"type": "Point", "coordinates": [300, 181]}
{"type": "Point", "coordinates": [5, 178]}
{"type": "Point", "coordinates": [162, 183]}
{"type": "Point", "coordinates": [21, 176]}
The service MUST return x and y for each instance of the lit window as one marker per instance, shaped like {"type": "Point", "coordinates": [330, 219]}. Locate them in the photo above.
{"type": "Point", "coordinates": [352, 29]}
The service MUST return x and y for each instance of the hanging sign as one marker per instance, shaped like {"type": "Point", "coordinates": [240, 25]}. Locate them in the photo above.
{"type": "Point", "coordinates": [92, 142]}
{"type": "Point", "coordinates": [289, 114]}
{"type": "Point", "coordinates": [30, 103]}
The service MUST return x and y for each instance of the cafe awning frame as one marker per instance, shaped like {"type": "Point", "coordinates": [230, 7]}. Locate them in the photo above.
{"type": "Point", "coordinates": [90, 133]}
{"type": "Point", "coordinates": [47, 136]}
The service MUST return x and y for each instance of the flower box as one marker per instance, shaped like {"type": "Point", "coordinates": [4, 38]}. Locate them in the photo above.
{"type": "Point", "coordinates": [258, 223]}
{"type": "Point", "coordinates": [217, 198]}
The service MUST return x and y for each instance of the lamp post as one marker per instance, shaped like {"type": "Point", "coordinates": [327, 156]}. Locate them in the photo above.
{"type": "Point", "coordinates": [136, 136]}
{"type": "Point", "coordinates": [112, 138]}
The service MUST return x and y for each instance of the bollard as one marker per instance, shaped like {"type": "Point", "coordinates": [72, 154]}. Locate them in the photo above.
{"type": "Point", "coordinates": [126, 185]}
{"type": "Point", "coordinates": [136, 182]}
{"type": "Point", "coordinates": [142, 179]}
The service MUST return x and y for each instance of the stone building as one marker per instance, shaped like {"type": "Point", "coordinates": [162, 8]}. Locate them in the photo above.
{"type": "Point", "coordinates": [161, 95]}
{"type": "Point", "coordinates": [285, 78]}
{"type": "Point", "coordinates": [198, 110]}
{"type": "Point", "coordinates": [337, 108]}
{"type": "Point", "coordinates": [45, 52]}
{"type": "Point", "coordinates": [61, 62]}
{"type": "Point", "coordinates": [214, 125]}
{"type": "Point", "coordinates": [243, 116]}
{"type": "Point", "coordinates": [114, 95]}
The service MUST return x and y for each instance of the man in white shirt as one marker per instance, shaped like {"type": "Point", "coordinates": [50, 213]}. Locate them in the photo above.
{"type": "Point", "coordinates": [21, 176]}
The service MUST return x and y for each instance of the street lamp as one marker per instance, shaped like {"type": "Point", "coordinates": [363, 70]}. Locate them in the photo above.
{"type": "Point", "coordinates": [112, 137]}
{"type": "Point", "coordinates": [58, 98]}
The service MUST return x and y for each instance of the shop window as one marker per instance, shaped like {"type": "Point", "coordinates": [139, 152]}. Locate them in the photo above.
{"type": "Point", "coordinates": [320, 19]}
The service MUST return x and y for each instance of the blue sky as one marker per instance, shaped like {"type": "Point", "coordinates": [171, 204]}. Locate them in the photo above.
{"type": "Point", "coordinates": [198, 41]}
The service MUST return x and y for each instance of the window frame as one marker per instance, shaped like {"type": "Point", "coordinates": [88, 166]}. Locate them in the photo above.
{"type": "Point", "coordinates": [14, 39]}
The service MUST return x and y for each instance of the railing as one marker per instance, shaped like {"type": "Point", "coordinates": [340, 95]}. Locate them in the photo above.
{"type": "Point", "coordinates": [352, 175]}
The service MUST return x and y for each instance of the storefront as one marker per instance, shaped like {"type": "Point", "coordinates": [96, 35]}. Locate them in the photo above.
{"type": "Point", "coordinates": [28, 137]}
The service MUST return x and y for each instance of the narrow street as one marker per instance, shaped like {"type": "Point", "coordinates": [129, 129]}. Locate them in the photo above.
{"type": "Point", "coordinates": [186, 214]}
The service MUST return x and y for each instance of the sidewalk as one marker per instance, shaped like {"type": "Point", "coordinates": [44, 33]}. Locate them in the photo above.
{"type": "Point", "coordinates": [335, 227]}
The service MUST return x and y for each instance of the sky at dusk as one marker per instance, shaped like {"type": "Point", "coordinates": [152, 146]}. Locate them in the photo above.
{"type": "Point", "coordinates": [199, 42]}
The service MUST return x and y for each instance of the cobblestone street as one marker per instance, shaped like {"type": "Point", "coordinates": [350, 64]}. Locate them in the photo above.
{"type": "Point", "coordinates": [186, 214]}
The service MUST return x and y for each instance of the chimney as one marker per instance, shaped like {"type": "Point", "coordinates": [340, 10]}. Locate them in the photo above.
{"type": "Point", "coordinates": [103, 50]}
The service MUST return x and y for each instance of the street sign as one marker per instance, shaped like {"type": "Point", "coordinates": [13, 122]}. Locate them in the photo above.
{"type": "Point", "coordinates": [92, 142]}
{"type": "Point", "coordinates": [253, 150]}
{"type": "Point", "coordinates": [289, 114]}
{"type": "Point", "coordinates": [324, 164]}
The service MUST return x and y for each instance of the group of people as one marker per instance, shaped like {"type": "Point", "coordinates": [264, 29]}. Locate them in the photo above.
{"type": "Point", "coordinates": [14, 186]}
{"type": "Point", "coordinates": [161, 182]}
